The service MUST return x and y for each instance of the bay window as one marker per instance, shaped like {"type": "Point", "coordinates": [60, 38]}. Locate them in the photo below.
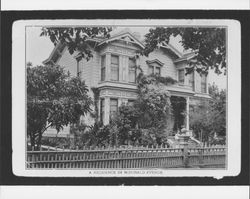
{"type": "Point", "coordinates": [102, 110]}
{"type": "Point", "coordinates": [132, 70]}
{"type": "Point", "coordinates": [103, 67]}
{"type": "Point", "coordinates": [114, 68]}
{"type": "Point", "coordinates": [203, 83]}
{"type": "Point", "coordinates": [113, 107]}
{"type": "Point", "coordinates": [191, 80]}
{"type": "Point", "coordinates": [181, 76]}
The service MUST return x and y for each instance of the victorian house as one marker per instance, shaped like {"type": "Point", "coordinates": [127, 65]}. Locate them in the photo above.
{"type": "Point", "coordinates": [112, 71]}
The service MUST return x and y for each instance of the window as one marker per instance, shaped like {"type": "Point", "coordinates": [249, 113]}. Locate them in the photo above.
{"type": "Point", "coordinates": [191, 80]}
{"type": "Point", "coordinates": [154, 67]}
{"type": "Point", "coordinates": [154, 70]}
{"type": "Point", "coordinates": [113, 107]}
{"type": "Point", "coordinates": [103, 67]}
{"type": "Point", "coordinates": [151, 70]}
{"type": "Point", "coordinates": [203, 84]}
{"type": "Point", "coordinates": [131, 102]}
{"type": "Point", "coordinates": [132, 70]}
{"type": "Point", "coordinates": [102, 110]}
{"type": "Point", "coordinates": [114, 68]}
{"type": "Point", "coordinates": [181, 76]}
{"type": "Point", "coordinates": [157, 70]}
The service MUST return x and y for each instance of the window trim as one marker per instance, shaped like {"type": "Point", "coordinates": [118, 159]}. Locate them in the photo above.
{"type": "Point", "coordinates": [133, 69]}
{"type": "Point", "coordinates": [179, 82]}
{"type": "Point", "coordinates": [102, 109]}
{"type": "Point", "coordinates": [118, 65]}
{"type": "Point", "coordinates": [103, 67]}
{"type": "Point", "coordinates": [116, 99]}
{"type": "Point", "coordinates": [204, 83]}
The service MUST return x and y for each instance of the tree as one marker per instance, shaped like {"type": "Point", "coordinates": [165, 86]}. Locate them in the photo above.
{"type": "Point", "coordinates": [54, 99]}
{"type": "Point", "coordinates": [208, 43]}
{"type": "Point", "coordinates": [76, 38]}
{"type": "Point", "coordinates": [210, 117]}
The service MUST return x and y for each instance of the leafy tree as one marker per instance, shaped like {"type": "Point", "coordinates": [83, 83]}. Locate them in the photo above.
{"type": "Point", "coordinates": [145, 122]}
{"type": "Point", "coordinates": [208, 43]}
{"type": "Point", "coordinates": [54, 99]}
{"type": "Point", "coordinates": [210, 117]}
{"type": "Point", "coordinates": [76, 38]}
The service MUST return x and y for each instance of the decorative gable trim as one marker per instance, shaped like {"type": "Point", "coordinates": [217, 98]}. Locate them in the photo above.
{"type": "Point", "coordinates": [154, 61]}
{"type": "Point", "coordinates": [186, 57]}
{"type": "Point", "coordinates": [127, 37]}
{"type": "Point", "coordinates": [172, 49]}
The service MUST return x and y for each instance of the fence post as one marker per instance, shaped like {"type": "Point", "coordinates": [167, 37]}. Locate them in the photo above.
{"type": "Point", "coordinates": [183, 141]}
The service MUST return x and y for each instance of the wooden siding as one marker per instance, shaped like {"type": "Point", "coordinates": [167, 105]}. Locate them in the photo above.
{"type": "Point", "coordinates": [68, 62]}
{"type": "Point", "coordinates": [168, 69]}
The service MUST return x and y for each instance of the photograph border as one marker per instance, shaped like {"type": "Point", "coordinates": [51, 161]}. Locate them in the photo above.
{"type": "Point", "coordinates": [10, 17]}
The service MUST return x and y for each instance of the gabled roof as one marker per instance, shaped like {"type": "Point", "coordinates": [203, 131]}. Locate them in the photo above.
{"type": "Point", "coordinates": [126, 36]}
{"type": "Point", "coordinates": [186, 57]}
{"type": "Point", "coordinates": [172, 49]}
{"type": "Point", "coordinates": [155, 61]}
{"type": "Point", "coordinates": [57, 51]}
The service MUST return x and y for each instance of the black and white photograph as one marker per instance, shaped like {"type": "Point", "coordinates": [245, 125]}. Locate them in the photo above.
{"type": "Point", "coordinates": [128, 98]}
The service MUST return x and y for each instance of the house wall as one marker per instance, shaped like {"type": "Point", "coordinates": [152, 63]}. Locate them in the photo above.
{"type": "Point", "coordinates": [168, 69]}
{"type": "Point", "coordinates": [68, 62]}
{"type": "Point", "coordinates": [122, 90]}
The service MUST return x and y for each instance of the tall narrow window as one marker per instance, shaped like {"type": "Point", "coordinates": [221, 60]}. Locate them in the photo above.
{"type": "Point", "coordinates": [102, 110]}
{"type": "Point", "coordinates": [131, 102]}
{"type": "Point", "coordinates": [191, 80]}
{"type": "Point", "coordinates": [113, 107]}
{"type": "Point", "coordinates": [203, 83]}
{"type": "Point", "coordinates": [114, 68]}
{"type": "Point", "coordinates": [157, 70]}
{"type": "Point", "coordinates": [181, 76]}
{"type": "Point", "coordinates": [151, 70]}
{"type": "Point", "coordinates": [103, 67]}
{"type": "Point", "coordinates": [132, 70]}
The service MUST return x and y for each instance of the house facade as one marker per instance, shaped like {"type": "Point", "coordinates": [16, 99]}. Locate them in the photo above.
{"type": "Point", "coordinates": [112, 70]}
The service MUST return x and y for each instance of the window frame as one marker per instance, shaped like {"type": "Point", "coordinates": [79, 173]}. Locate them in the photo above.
{"type": "Point", "coordinates": [132, 70]}
{"type": "Point", "coordinates": [191, 83]}
{"type": "Point", "coordinates": [102, 109]}
{"type": "Point", "coordinates": [110, 105]}
{"type": "Point", "coordinates": [203, 84]}
{"type": "Point", "coordinates": [103, 67]}
{"type": "Point", "coordinates": [180, 82]}
{"type": "Point", "coordinates": [112, 67]}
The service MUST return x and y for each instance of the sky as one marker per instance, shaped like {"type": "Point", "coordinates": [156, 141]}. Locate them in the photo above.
{"type": "Point", "coordinates": [39, 48]}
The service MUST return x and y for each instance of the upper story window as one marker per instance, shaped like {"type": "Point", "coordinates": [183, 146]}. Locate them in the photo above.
{"type": "Point", "coordinates": [103, 67]}
{"type": "Point", "coordinates": [191, 80]}
{"type": "Point", "coordinates": [157, 70]}
{"type": "Point", "coordinates": [154, 70]}
{"type": "Point", "coordinates": [114, 68]}
{"type": "Point", "coordinates": [132, 70]}
{"type": "Point", "coordinates": [203, 83]}
{"type": "Point", "coordinates": [181, 76]}
{"type": "Point", "coordinates": [154, 67]}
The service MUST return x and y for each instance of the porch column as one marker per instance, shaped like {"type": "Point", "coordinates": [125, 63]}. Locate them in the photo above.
{"type": "Point", "coordinates": [187, 113]}
{"type": "Point", "coordinates": [119, 102]}
{"type": "Point", "coordinates": [106, 110]}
